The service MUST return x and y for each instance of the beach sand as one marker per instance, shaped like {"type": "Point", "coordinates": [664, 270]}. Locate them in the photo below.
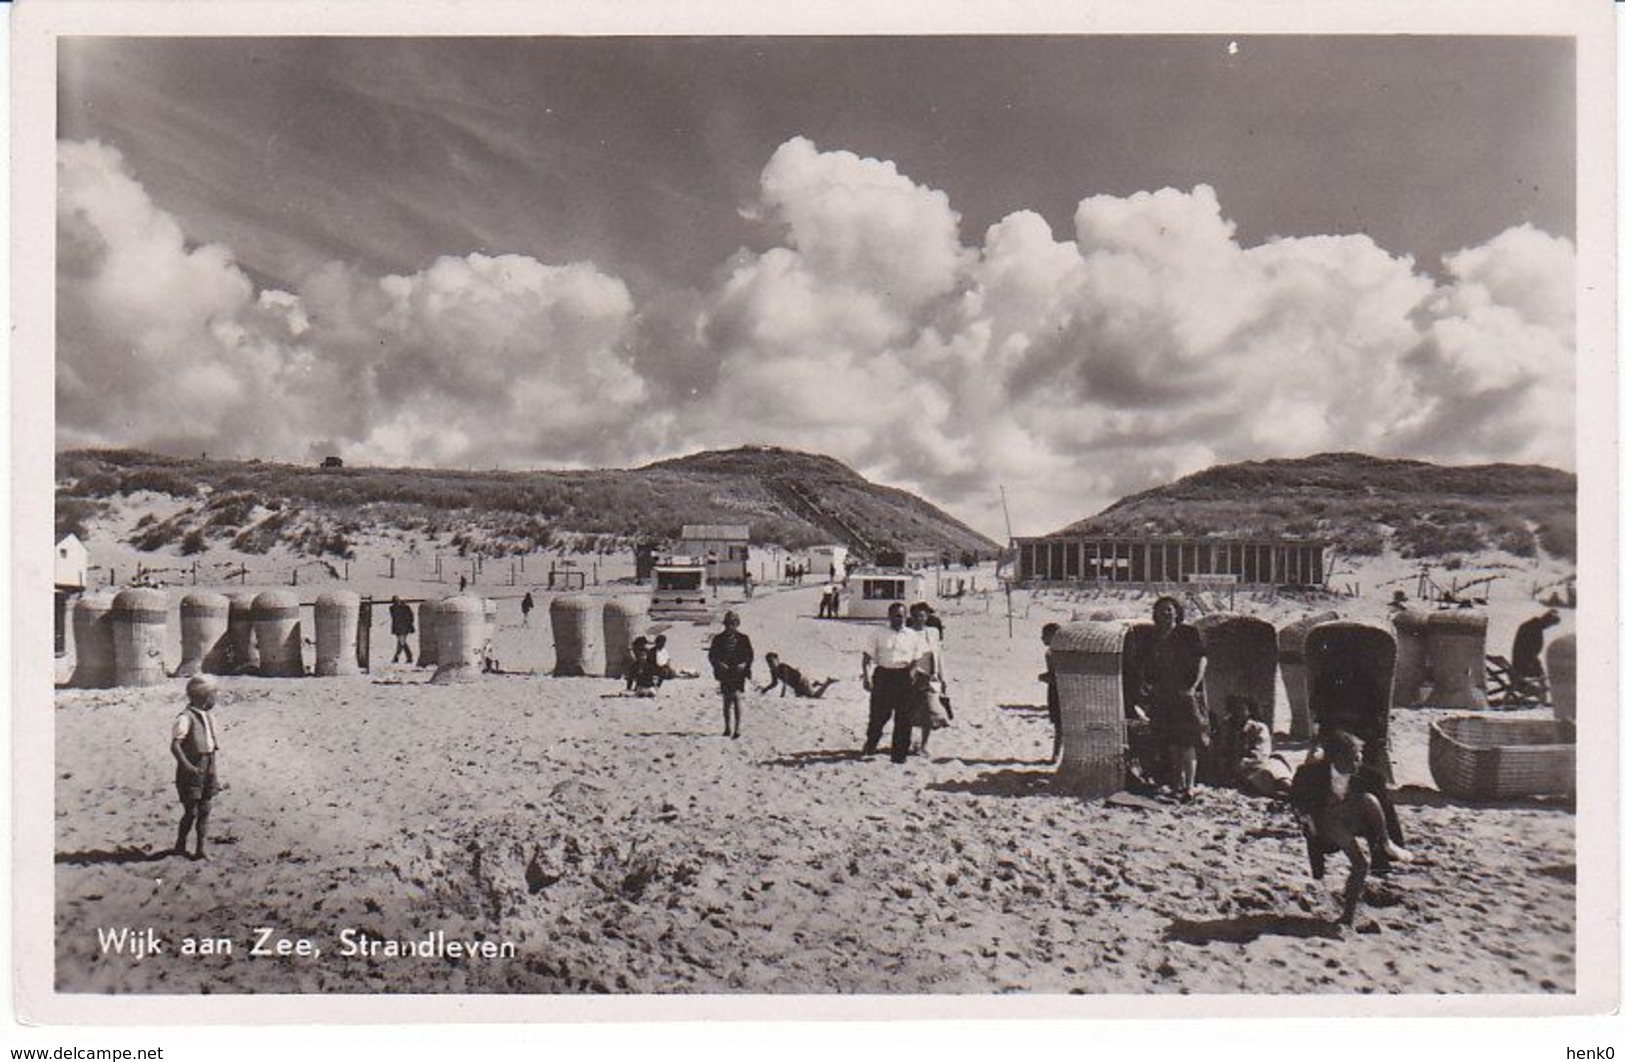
{"type": "Point", "coordinates": [624, 845]}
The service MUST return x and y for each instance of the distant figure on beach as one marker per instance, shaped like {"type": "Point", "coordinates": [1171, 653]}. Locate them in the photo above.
{"type": "Point", "coordinates": [1337, 810]}
{"type": "Point", "coordinates": [1527, 645]}
{"type": "Point", "coordinates": [1052, 693]}
{"type": "Point", "coordinates": [462, 583]}
{"type": "Point", "coordinates": [193, 744]}
{"type": "Point", "coordinates": [731, 656]}
{"type": "Point", "coordinates": [825, 598]}
{"type": "Point", "coordinates": [661, 657]}
{"type": "Point", "coordinates": [1175, 663]}
{"type": "Point", "coordinates": [401, 625]}
{"type": "Point", "coordinates": [750, 586]}
{"type": "Point", "coordinates": [642, 676]}
{"type": "Point", "coordinates": [890, 677]}
{"type": "Point", "coordinates": [526, 604]}
{"type": "Point", "coordinates": [790, 680]}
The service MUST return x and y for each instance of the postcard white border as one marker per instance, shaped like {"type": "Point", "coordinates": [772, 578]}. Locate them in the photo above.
{"type": "Point", "coordinates": [36, 25]}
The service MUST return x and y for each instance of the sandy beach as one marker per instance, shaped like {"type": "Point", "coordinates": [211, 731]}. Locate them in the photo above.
{"type": "Point", "coordinates": [601, 843]}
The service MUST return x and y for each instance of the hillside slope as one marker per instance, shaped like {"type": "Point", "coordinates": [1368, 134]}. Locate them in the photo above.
{"type": "Point", "coordinates": [1362, 504]}
{"type": "Point", "coordinates": [788, 498]}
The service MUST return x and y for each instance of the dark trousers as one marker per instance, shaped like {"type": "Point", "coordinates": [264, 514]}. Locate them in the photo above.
{"type": "Point", "coordinates": [889, 696]}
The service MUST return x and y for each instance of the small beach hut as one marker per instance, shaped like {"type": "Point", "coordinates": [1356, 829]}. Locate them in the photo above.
{"type": "Point", "coordinates": [1087, 661]}
{"type": "Point", "coordinates": [872, 592]}
{"type": "Point", "coordinates": [1350, 671]}
{"type": "Point", "coordinates": [1241, 659]}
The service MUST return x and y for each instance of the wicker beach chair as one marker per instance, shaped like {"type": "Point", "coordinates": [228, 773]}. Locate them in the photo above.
{"type": "Point", "coordinates": [1289, 654]}
{"type": "Point", "coordinates": [1241, 660]}
{"type": "Point", "coordinates": [1350, 669]}
{"type": "Point", "coordinates": [1087, 661]}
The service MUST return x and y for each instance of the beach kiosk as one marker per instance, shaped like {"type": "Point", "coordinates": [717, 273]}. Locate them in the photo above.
{"type": "Point", "coordinates": [870, 592]}
{"type": "Point", "coordinates": [680, 591]}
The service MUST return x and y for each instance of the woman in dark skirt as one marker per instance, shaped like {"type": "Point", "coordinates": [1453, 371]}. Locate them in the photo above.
{"type": "Point", "coordinates": [731, 656]}
{"type": "Point", "coordinates": [1174, 667]}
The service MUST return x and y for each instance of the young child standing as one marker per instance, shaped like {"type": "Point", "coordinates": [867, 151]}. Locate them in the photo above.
{"type": "Point", "coordinates": [731, 656]}
{"type": "Point", "coordinates": [193, 744]}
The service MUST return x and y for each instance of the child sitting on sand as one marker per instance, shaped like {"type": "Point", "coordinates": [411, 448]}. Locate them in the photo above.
{"type": "Point", "coordinates": [1260, 770]}
{"type": "Point", "coordinates": [642, 678]}
{"type": "Point", "coordinates": [790, 680]}
{"type": "Point", "coordinates": [1336, 809]}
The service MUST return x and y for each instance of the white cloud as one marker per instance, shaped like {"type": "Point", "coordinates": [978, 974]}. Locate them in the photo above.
{"type": "Point", "coordinates": [1144, 345]}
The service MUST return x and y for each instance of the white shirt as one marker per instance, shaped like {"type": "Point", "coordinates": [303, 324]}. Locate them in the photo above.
{"type": "Point", "coordinates": [889, 648]}
{"type": "Point", "coordinates": [183, 727]}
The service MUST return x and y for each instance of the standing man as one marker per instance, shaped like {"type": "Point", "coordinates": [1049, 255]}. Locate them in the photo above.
{"type": "Point", "coordinates": [889, 676]}
{"type": "Point", "coordinates": [401, 626]}
{"type": "Point", "coordinates": [526, 603]}
{"type": "Point", "coordinates": [1528, 674]}
{"type": "Point", "coordinates": [192, 743]}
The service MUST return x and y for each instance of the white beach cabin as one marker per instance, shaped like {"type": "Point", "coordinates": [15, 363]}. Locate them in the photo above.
{"type": "Point", "coordinates": [869, 593]}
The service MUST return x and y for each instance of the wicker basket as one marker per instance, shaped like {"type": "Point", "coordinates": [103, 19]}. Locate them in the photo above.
{"type": "Point", "coordinates": [1483, 758]}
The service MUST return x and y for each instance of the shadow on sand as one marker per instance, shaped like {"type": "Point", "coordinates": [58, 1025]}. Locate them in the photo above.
{"type": "Point", "coordinates": [1247, 928]}
{"type": "Point", "coordinates": [1003, 784]}
{"type": "Point", "coordinates": [817, 756]}
{"type": "Point", "coordinates": [98, 856]}
{"type": "Point", "coordinates": [1417, 796]}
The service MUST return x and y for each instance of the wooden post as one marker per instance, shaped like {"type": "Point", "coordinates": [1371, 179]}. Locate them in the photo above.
{"type": "Point", "coordinates": [392, 567]}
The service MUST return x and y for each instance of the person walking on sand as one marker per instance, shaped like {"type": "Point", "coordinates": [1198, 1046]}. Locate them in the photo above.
{"type": "Point", "coordinates": [1176, 662]}
{"type": "Point", "coordinates": [401, 626]}
{"type": "Point", "coordinates": [193, 743]}
{"type": "Point", "coordinates": [890, 677]}
{"type": "Point", "coordinates": [731, 656]}
{"type": "Point", "coordinates": [526, 603]}
{"type": "Point", "coordinates": [790, 680]}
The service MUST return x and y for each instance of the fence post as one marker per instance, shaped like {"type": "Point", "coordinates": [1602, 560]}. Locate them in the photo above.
{"type": "Point", "coordinates": [392, 567]}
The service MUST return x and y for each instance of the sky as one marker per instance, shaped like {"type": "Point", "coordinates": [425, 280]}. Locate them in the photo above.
{"type": "Point", "coordinates": [1073, 267]}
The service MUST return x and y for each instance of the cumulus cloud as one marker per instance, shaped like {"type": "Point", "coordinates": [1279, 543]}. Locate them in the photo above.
{"type": "Point", "coordinates": [1145, 343]}
{"type": "Point", "coordinates": [478, 360]}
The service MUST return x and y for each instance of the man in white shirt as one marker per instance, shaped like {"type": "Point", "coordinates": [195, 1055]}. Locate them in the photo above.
{"type": "Point", "coordinates": [192, 741]}
{"type": "Point", "coordinates": [889, 674]}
